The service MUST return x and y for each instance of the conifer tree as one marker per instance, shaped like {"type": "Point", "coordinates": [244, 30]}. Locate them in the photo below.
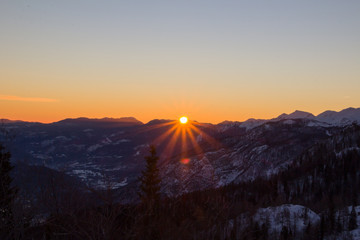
{"type": "Point", "coordinates": [150, 198]}
{"type": "Point", "coordinates": [7, 194]}
{"type": "Point", "coordinates": [150, 180]}
{"type": "Point", "coordinates": [352, 220]}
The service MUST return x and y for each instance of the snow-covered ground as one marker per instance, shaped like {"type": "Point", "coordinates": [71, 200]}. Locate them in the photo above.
{"type": "Point", "coordinates": [296, 218]}
{"type": "Point", "coordinates": [292, 216]}
{"type": "Point", "coordinates": [355, 234]}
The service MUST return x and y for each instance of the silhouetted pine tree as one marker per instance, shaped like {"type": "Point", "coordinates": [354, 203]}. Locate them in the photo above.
{"type": "Point", "coordinates": [7, 195]}
{"type": "Point", "coordinates": [150, 180]}
{"type": "Point", "coordinates": [150, 198]}
{"type": "Point", "coordinates": [352, 220]}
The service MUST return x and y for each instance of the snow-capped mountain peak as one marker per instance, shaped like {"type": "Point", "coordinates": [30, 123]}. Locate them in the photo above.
{"type": "Point", "coordinates": [344, 117]}
{"type": "Point", "coordinates": [326, 119]}
{"type": "Point", "coordinates": [295, 115]}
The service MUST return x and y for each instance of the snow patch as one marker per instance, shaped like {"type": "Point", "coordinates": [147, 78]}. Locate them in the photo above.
{"type": "Point", "coordinates": [259, 149]}
{"type": "Point", "coordinates": [289, 121]}
{"type": "Point", "coordinates": [47, 143]}
{"type": "Point", "coordinates": [286, 215]}
{"type": "Point", "coordinates": [62, 138]}
{"type": "Point", "coordinates": [122, 141]}
{"type": "Point", "coordinates": [84, 174]}
{"type": "Point", "coordinates": [94, 147]}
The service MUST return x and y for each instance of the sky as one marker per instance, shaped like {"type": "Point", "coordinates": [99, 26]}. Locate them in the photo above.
{"type": "Point", "coordinates": [209, 60]}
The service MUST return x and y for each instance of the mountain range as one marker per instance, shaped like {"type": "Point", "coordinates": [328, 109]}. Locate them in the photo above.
{"type": "Point", "coordinates": [327, 118]}
{"type": "Point", "coordinates": [109, 153]}
{"type": "Point", "coordinates": [342, 117]}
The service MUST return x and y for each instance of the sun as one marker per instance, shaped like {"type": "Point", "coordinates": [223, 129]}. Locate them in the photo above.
{"type": "Point", "coordinates": [183, 120]}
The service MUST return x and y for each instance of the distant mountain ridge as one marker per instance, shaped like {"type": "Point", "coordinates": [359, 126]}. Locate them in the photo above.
{"type": "Point", "coordinates": [83, 120]}
{"type": "Point", "coordinates": [98, 120]}
{"type": "Point", "coordinates": [295, 115]}
{"type": "Point", "coordinates": [341, 118]}
{"type": "Point", "coordinates": [327, 118]}
{"type": "Point", "coordinates": [4, 120]}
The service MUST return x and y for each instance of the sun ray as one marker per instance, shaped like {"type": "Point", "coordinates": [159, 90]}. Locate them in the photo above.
{"type": "Point", "coordinates": [147, 128]}
{"type": "Point", "coordinates": [171, 144]}
{"type": "Point", "coordinates": [213, 142]}
{"type": "Point", "coordinates": [183, 142]}
{"type": "Point", "coordinates": [163, 136]}
{"type": "Point", "coordinates": [195, 144]}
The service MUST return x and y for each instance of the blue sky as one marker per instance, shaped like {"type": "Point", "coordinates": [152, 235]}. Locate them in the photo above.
{"type": "Point", "coordinates": [211, 60]}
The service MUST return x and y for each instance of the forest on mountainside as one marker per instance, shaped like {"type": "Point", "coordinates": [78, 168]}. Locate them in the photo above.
{"type": "Point", "coordinates": [324, 180]}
